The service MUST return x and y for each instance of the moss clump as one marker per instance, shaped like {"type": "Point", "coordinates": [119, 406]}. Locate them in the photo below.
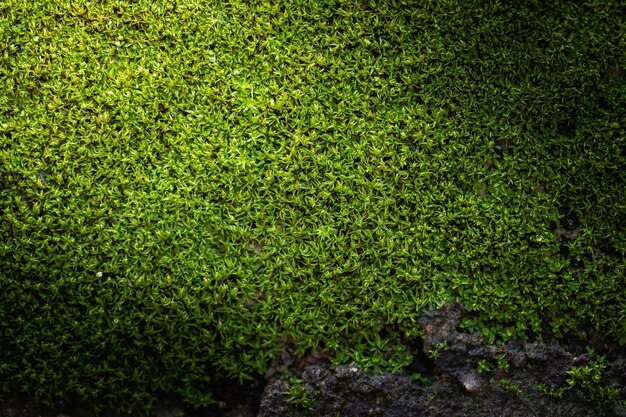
{"type": "Point", "coordinates": [588, 379]}
{"type": "Point", "coordinates": [299, 395]}
{"type": "Point", "coordinates": [182, 183]}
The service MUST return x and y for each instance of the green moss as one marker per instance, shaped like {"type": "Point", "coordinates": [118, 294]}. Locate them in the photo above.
{"type": "Point", "coordinates": [182, 183]}
{"type": "Point", "coordinates": [588, 379]}
{"type": "Point", "coordinates": [508, 386]}
{"type": "Point", "coordinates": [300, 395]}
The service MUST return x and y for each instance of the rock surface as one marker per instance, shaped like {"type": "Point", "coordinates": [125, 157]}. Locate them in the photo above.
{"type": "Point", "coordinates": [456, 387]}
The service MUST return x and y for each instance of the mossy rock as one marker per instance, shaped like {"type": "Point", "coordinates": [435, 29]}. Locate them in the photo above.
{"type": "Point", "coordinates": [184, 183]}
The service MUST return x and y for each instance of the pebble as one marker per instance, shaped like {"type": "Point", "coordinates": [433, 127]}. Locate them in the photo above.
{"type": "Point", "coordinates": [471, 382]}
{"type": "Point", "coordinates": [348, 371]}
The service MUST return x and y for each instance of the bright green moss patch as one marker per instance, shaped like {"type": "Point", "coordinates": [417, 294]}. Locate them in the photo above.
{"type": "Point", "coordinates": [183, 182]}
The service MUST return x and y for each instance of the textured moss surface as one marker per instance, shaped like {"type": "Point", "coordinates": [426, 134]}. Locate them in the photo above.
{"type": "Point", "coordinates": [184, 182]}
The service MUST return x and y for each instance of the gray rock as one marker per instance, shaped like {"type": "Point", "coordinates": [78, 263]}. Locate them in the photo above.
{"type": "Point", "coordinates": [348, 371]}
{"type": "Point", "coordinates": [471, 382]}
{"type": "Point", "coordinates": [457, 388]}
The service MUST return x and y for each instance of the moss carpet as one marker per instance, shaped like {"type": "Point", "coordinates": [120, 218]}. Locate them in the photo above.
{"type": "Point", "coordinates": [184, 182]}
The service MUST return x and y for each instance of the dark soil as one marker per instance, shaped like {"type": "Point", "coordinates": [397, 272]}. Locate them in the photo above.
{"type": "Point", "coordinates": [445, 384]}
